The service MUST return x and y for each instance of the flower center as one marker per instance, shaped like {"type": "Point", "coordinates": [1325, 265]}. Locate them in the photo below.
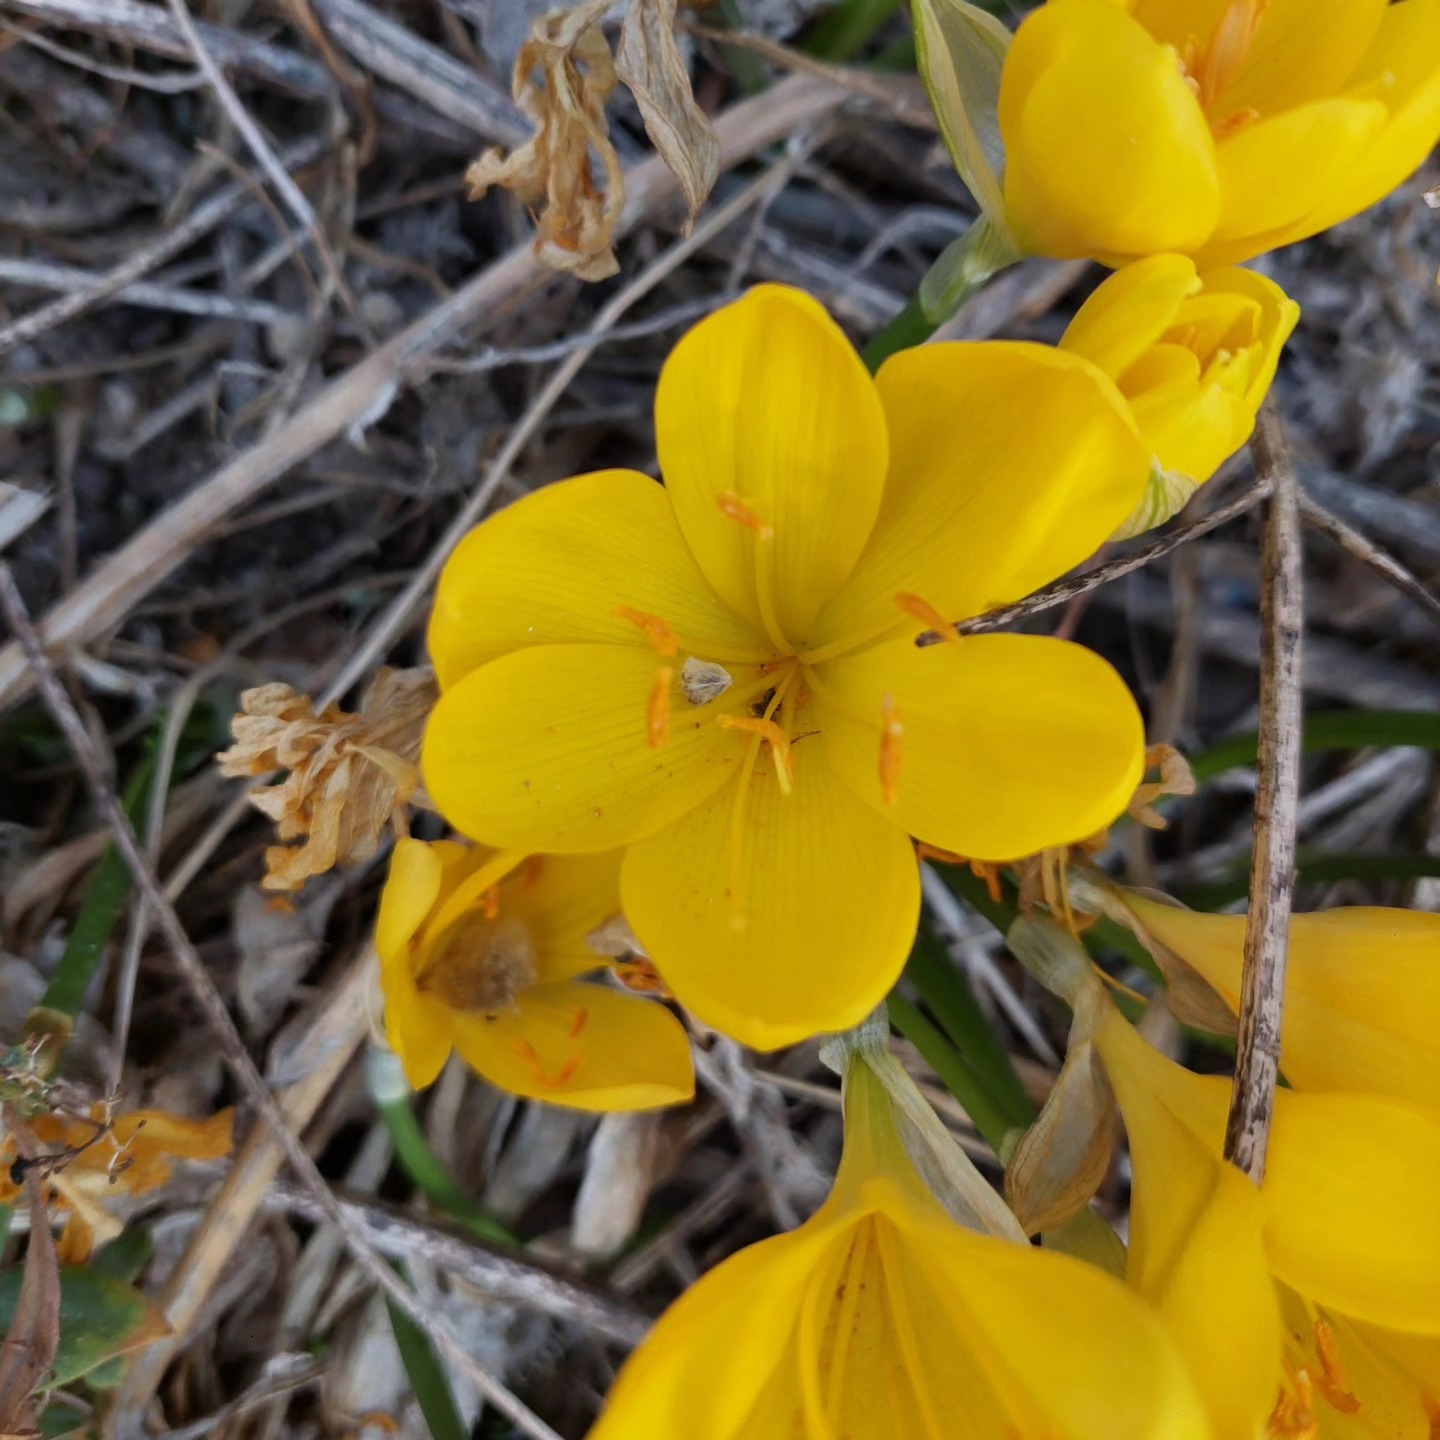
{"type": "Point", "coordinates": [1211, 69]}
{"type": "Point", "coordinates": [480, 965]}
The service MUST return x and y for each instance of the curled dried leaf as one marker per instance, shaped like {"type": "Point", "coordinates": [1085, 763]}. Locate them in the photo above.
{"type": "Point", "coordinates": [551, 171]}
{"type": "Point", "coordinates": [1176, 778]}
{"type": "Point", "coordinates": [648, 61]}
{"type": "Point", "coordinates": [350, 774]}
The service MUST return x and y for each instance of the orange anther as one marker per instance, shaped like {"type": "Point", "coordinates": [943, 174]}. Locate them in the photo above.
{"type": "Point", "coordinates": [732, 507]}
{"type": "Point", "coordinates": [1229, 47]}
{"type": "Point", "coordinates": [581, 1020]}
{"type": "Point", "coordinates": [990, 874]}
{"type": "Point", "coordinates": [1332, 1370]}
{"type": "Point", "coordinates": [1293, 1417]}
{"type": "Point", "coordinates": [1432, 1414]}
{"type": "Point", "coordinates": [892, 754]}
{"type": "Point", "coordinates": [926, 851]}
{"type": "Point", "coordinates": [774, 736]}
{"type": "Point", "coordinates": [657, 708]}
{"type": "Point", "coordinates": [526, 1051]}
{"type": "Point", "coordinates": [640, 975]}
{"type": "Point", "coordinates": [663, 640]}
{"type": "Point", "coordinates": [923, 611]}
{"type": "Point", "coordinates": [490, 902]}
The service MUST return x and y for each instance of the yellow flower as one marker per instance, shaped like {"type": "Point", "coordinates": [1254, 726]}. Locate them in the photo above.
{"type": "Point", "coordinates": [721, 674]}
{"type": "Point", "coordinates": [1194, 355]}
{"type": "Point", "coordinates": [1362, 991]}
{"type": "Point", "coordinates": [1345, 1224]}
{"type": "Point", "coordinates": [90, 1161]}
{"type": "Point", "coordinates": [882, 1319]}
{"type": "Point", "coordinates": [1218, 129]}
{"type": "Point", "coordinates": [483, 952]}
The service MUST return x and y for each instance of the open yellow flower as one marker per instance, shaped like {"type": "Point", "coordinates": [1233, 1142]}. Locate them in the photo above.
{"type": "Point", "coordinates": [482, 952]}
{"type": "Point", "coordinates": [1362, 991]}
{"type": "Point", "coordinates": [88, 1162]}
{"type": "Point", "coordinates": [721, 674]}
{"type": "Point", "coordinates": [1215, 128]}
{"type": "Point", "coordinates": [1347, 1220]}
{"type": "Point", "coordinates": [1194, 355]}
{"type": "Point", "coordinates": [881, 1317]}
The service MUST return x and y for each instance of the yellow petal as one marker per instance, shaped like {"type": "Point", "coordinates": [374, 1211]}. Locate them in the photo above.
{"type": "Point", "coordinates": [1107, 152]}
{"type": "Point", "coordinates": [1009, 743]}
{"type": "Point", "coordinates": [775, 917]}
{"type": "Point", "coordinates": [1196, 1253]}
{"type": "Point", "coordinates": [547, 749]}
{"type": "Point", "coordinates": [1130, 311]}
{"type": "Point", "coordinates": [411, 889]}
{"type": "Point", "coordinates": [562, 900]}
{"type": "Point", "coordinates": [1277, 171]}
{"type": "Point", "coordinates": [1193, 430]}
{"type": "Point", "coordinates": [1036, 464]}
{"type": "Point", "coordinates": [1402, 71]}
{"type": "Point", "coordinates": [589, 1047]}
{"type": "Point", "coordinates": [556, 567]}
{"type": "Point", "coordinates": [1362, 992]}
{"type": "Point", "coordinates": [766, 402]}
{"type": "Point", "coordinates": [1353, 1189]}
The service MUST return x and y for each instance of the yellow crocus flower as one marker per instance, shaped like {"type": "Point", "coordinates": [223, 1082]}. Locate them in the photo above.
{"type": "Point", "coordinates": [482, 952]}
{"type": "Point", "coordinates": [1346, 1225]}
{"type": "Point", "coordinates": [1362, 991]}
{"type": "Point", "coordinates": [1219, 129]}
{"type": "Point", "coordinates": [721, 674]}
{"type": "Point", "coordinates": [881, 1317]}
{"type": "Point", "coordinates": [1194, 355]}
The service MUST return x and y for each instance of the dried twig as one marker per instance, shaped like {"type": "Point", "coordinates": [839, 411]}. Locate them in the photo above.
{"type": "Point", "coordinates": [217, 1016]}
{"type": "Point", "coordinates": [1272, 869]}
{"type": "Point", "coordinates": [1063, 591]}
{"type": "Point", "coordinates": [1385, 565]}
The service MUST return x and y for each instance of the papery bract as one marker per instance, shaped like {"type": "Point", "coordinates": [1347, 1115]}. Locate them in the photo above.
{"type": "Point", "coordinates": [721, 675]}
{"type": "Point", "coordinates": [483, 952]}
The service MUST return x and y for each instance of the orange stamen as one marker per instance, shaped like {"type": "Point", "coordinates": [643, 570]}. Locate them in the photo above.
{"type": "Point", "coordinates": [1332, 1367]}
{"type": "Point", "coordinates": [923, 611]}
{"type": "Point", "coordinates": [663, 640]}
{"type": "Point", "coordinates": [732, 507]}
{"type": "Point", "coordinates": [526, 1051]}
{"type": "Point", "coordinates": [774, 737]}
{"type": "Point", "coordinates": [657, 709]}
{"type": "Point", "coordinates": [990, 873]}
{"type": "Point", "coordinates": [490, 903]}
{"type": "Point", "coordinates": [1432, 1414]}
{"type": "Point", "coordinates": [925, 851]}
{"type": "Point", "coordinates": [640, 975]}
{"type": "Point", "coordinates": [892, 755]}
{"type": "Point", "coordinates": [1293, 1417]}
{"type": "Point", "coordinates": [581, 1020]}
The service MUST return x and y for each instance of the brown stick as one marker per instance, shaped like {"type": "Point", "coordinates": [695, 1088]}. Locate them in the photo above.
{"type": "Point", "coordinates": [1063, 591]}
{"type": "Point", "coordinates": [232, 1046]}
{"type": "Point", "coordinates": [362, 394]}
{"type": "Point", "coordinates": [1272, 868]}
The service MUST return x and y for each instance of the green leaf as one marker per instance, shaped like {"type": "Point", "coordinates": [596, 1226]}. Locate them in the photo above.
{"type": "Point", "coordinates": [1313, 867]}
{"type": "Point", "coordinates": [427, 1378]}
{"type": "Point", "coordinates": [100, 1319]}
{"type": "Point", "coordinates": [1331, 730]}
{"type": "Point", "coordinates": [125, 1256]}
{"type": "Point", "coordinates": [842, 32]}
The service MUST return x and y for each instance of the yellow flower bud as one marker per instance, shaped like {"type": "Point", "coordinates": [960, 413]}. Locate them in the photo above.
{"type": "Point", "coordinates": [1218, 129]}
{"type": "Point", "coordinates": [1194, 355]}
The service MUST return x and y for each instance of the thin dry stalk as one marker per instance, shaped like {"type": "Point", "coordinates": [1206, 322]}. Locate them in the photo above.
{"type": "Point", "coordinates": [233, 1049]}
{"type": "Point", "coordinates": [1277, 795]}
{"type": "Point", "coordinates": [1385, 565]}
{"type": "Point", "coordinates": [1064, 591]}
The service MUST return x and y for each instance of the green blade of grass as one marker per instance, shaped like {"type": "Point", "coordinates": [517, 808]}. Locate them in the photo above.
{"type": "Point", "coordinates": [1331, 730]}
{"type": "Point", "coordinates": [954, 1071]}
{"type": "Point", "coordinates": [427, 1378]}
{"type": "Point", "coordinates": [1313, 867]}
{"type": "Point", "coordinates": [843, 31]}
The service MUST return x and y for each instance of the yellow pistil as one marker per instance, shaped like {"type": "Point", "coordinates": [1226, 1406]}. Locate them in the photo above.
{"type": "Point", "coordinates": [732, 507]}
{"type": "Point", "coordinates": [892, 755]}
{"type": "Point", "coordinates": [774, 737]}
{"type": "Point", "coordinates": [923, 611]}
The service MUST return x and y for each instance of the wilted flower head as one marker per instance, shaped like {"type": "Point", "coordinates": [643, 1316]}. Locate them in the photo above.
{"type": "Point", "coordinates": [881, 1317]}
{"type": "Point", "coordinates": [351, 775]}
{"type": "Point", "coordinates": [721, 674]}
{"type": "Point", "coordinates": [1362, 989]}
{"type": "Point", "coordinates": [483, 952]}
{"type": "Point", "coordinates": [89, 1160]}
{"type": "Point", "coordinates": [1194, 355]}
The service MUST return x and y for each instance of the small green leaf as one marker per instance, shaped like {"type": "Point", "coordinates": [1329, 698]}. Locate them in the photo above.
{"type": "Point", "coordinates": [100, 1319]}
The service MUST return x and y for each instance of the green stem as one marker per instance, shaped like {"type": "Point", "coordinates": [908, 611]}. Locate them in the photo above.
{"type": "Point", "coordinates": [907, 329]}
{"type": "Point", "coordinates": [954, 1071]}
